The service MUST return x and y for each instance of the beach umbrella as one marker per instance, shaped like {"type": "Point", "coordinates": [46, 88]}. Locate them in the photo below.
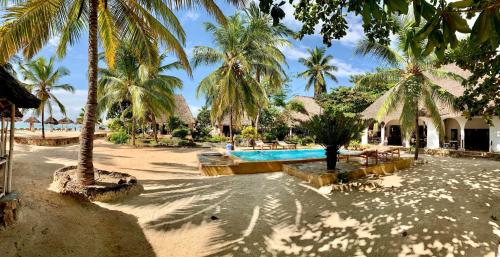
{"type": "Point", "coordinates": [65, 120]}
{"type": "Point", "coordinates": [50, 120]}
{"type": "Point", "coordinates": [31, 120]}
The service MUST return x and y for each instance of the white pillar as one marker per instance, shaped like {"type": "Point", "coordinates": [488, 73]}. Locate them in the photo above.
{"type": "Point", "coordinates": [406, 143]}
{"type": "Point", "coordinates": [461, 122]}
{"type": "Point", "coordinates": [382, 135]}
{"type": "Point", "coordinates": [364, 137]}
{"type": "Point", "coordinates": [432, 134]}
{"type": "Point", "coordinates": [495, 135]}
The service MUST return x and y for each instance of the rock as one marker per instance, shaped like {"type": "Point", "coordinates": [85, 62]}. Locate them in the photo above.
{"type": "Point", "coordinates": [214, 217]}
{"type": "Point", "coordinates": [404, 234]}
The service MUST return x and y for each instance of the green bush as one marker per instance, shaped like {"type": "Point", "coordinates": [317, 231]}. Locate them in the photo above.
{"type": "Point", "coordinates": [354, 144]}
{"type": "Point", "coordinates": [307, 140]}
{"type": "Point", "coordinates": [180, 132]}
{"type": "Point", "coordinates": [120, 137]}
{"type": "Point", "coordinates": [216, 139]}
{"type": "Point", "coordinates": [294, 140]}
{"type": "Point", "coordinates": [116, 125]}
{"type": "Point", "coordinates": [184, 143]}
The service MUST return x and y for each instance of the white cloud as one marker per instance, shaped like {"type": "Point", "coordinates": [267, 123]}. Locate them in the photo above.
{"type": "Point", "coordinates": [73, 102]}
{"type": "Point", "coordinates": [355, 31]}
{"type": "Point", "coordinates": [345, 69]}
{"type": "Point", "coordinates": [194, 110]}
{"type": "Point", "coordinates": [54, 41]}
{"type": "Point", "coordinates": [191, 15]}
{"type": "Point", "coordinates": [292, 52]}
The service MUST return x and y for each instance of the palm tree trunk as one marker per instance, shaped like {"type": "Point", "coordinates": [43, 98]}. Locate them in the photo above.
{"type": "Point", "coordinates": [43, 120]}
{"type": "Point", "coordinates": [257, 77]}
{"type": "Point", "coordinates": [155, 131]}
{"type": "Point", "coordinates": [85, 172]}
{"type": "Point", "coordinates": [331, 157]}
{"type": "Point", "coordinates": [231, 127]}
{"type": "Point", "coordinates": [417, 136]}
{"type": "Point", "coordinates": [1, 136]}
{"type": "Point", "coordinates": [133, 130]}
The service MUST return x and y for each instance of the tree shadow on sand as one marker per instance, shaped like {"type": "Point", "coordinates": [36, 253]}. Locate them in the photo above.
{"type": "Point", "coordinates": [445, 207]}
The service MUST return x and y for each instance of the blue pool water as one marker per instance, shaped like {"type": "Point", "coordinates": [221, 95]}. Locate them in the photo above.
{"type": "Point", "coordinates": [275, 155]}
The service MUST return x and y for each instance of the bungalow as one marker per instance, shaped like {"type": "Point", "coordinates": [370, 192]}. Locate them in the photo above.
{"type": "Point", "coordinates": [460, 133]}
{"type": "Point", "coordinates": [182, 111]}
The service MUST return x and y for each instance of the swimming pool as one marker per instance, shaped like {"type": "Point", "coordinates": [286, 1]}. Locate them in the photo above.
{"type": "Point", "coordinates": [279, 155]}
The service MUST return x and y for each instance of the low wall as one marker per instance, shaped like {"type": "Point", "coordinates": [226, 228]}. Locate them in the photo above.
{"type": "Point", "coordinates": [52, 141]}
{"type": "Point", "coordinates": [326, 178]}
{"type": "Point", "coordinates": [248, 167]}
{"type": "Point", "coordinates": [461, 153]}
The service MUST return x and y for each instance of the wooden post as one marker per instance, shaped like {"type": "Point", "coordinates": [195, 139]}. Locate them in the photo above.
{"type": "Point", "coordinates": [1, 137]}
{"type": "Point", "coordinates": [11, 147]}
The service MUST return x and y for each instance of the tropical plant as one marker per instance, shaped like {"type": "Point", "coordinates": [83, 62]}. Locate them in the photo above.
{"type": "Point", "coordinates": [203, 124]}
{"type": "Point", "coordinates": [250, 134]}
{"type": "Point", "coordinates": [137, 83]}
{"type": "Point", "coordinates": [29, 25]}
{"type": "Point", "coordinates": [333, 129]}
{"type": "Point", "coordinates": [174, 122]}
{"type": "Point", "coordinates": [119, 137]}
{"type": "Point", "coordinates": [232, 88]}
{"type": "Point", "coordinates": [319, 68]}
{"type": "Point", "coordinates": [180, 132]}
{"type": "Point", "coordinates": [408, 71]}
{"type": "Point", "coordinates": [42, 78]}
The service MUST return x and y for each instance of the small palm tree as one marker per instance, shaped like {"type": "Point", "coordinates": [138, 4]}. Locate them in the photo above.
{"type": "Point", "coordinates": [409, 70]}
{"type": "Point", "coordinates": [318, 69]}
{"type": "Point", "coordinates": [143, 86]}
{"type": "Point", "coordinates": [42, 78]}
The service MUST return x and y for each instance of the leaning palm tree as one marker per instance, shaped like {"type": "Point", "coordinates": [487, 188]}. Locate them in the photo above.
{"type": "Point", "coordinates": [42, 78]}
{"type": "Point", "coordinates": [318, 69]}
{"type": "Point", "coordinates": [232, 88]}
{"type": "Point", "coordinates": [409, 70]}
{"type": "Point", "coordinates": [29, 24]}
{"type": "Point", "coordinates": [143, 86]}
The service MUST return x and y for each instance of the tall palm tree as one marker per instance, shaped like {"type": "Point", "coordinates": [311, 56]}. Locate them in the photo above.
{"type": "Point", "coordinates": [409, 69]}
{"type": "Point", "coordinates": [318, 69]}
{"type": "Point", "coordinates": [143, 86]}
{"type": "Point", "coordinates": [42, 78]}
{"type": "Point", "coordinates": [232, 88]}
{"type": "Point", "coordinates": [30, 24]}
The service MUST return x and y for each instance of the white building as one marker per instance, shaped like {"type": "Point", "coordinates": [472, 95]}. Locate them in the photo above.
{"type": "Point", "coordinates": [460, 133]}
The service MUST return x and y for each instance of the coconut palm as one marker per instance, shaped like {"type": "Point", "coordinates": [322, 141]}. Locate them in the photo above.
{"type": "Point", "coordinates": [29, 25]}
{"type": "Point", "coordinates": [142, 85]}
{"type": "Point", "coordinates": [232, 88]}
{"type": "Point", "coordinates": [408, 69]}
{"type": "Point", "coordinates": [42, 78]}
{"type": "Point", "coordinates": [319, 68]}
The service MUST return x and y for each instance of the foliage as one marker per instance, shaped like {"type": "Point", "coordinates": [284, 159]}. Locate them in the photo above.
{"type": "Point", "coordinates": [334, 129]}
{"type": "Point", "coordinates": [116, 124]}
{"type": "Point", "coordinates": [174, 122]}
{"type": "Point", "coordinates": [413, 87]}
{"type": "Point", "coordinates": [216, 139]}
{"type": "Point", "coordinates": [186, 143]}
{"type": "Point", "coordinates": [203, 125]}
{"type": "Point", "coordinates": [296, 106]}
{"type": "Point", "coordinates": [307, 140]}
{"type": "Point", "coordinates": [354, 144]}
{"type": "Point", "coordinates": [482, 87]}
{"type": "Point", "coordinates": [42, 78]}
{"type": "Point", "coordinates": [437, 21]}
{"type": "Point", "coordinates": [249, 133]}
{"type": "Point", "coordinates": [180, 132]}
{"type": "Point", "coordinates": [347, 99]}
{"type": "Point", "coordinates": [319, 68]}
{"type": "Point", "coordinates": [119, 137]}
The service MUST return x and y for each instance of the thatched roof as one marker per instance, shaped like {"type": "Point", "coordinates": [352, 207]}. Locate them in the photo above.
{"type": "Point", "coordinates": [245, 121]}
{"type": "Point", "coordinates": [12, 91]}
{"type": "Point", "coordinates": [65, 120]}
{"type": "Point", "coordinates": [32, 120]}
{"type": "Point", "coordinates": [311, 108]}
{"type": "Point", "coordinates": [51, 120]}
{"type": "Point", "coordinates": [6, 111]}
{"type": "Point", "coordinates": [452, 86]}
{"type": "Point", "coordinates": [182, 111]}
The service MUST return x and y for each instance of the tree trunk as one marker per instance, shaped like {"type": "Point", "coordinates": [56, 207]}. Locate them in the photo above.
{"type": "Point", "coordinates": [43, 120]}
{"type": "Point", "coordinates": [231, 127]}
{"type": "Point", "coordinates": [85, 173]}
{"type": "Point", "coordinates": [155, 130]}
{"type": "Point", "coordinates": [133, 130]}
{"type": "Point", "coordinates": [417, 135]}
{"type": "Point", "coordinates": [331, 157]}
{"type": "Point", "coordinates": [11, 147]}
{"type": "Point", "coordinates": [1, 137]}
{"type": "Point", "coordinates": [257, 77]}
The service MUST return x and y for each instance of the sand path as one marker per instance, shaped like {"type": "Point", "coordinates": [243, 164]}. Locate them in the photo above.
{"type": "Point", "coordinates": [444, 208]}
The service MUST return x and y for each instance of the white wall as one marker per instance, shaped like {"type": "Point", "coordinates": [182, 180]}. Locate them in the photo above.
{"type": "Point", "coordinates": [432, 134]}
{"type": "Point", "coordinates": [495, 135]}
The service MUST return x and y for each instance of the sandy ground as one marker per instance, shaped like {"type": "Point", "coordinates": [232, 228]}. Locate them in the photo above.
{"type": "Point", "coordinates": [49, 133]}
{"type": "Point", "coordinates": [446, 207]}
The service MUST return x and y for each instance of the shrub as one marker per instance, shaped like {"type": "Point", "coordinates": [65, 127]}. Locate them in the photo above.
{"type": "Point", "coordinates": [120, 137]}
{"type": "Point", "coordinates": [354, 144]}
{"type": "Point", "coordinates": [216, 139]}
{"type": "Point", "coordinates": [294, 139]}
{"type": "Point", "coordinates": [116, 124]}
{"type": "Point", "coordinates": [249, 133]}
{"type": "Point", "coordinates": [180, 132]}
{"type": "Point", "coordinates": [307, 140]}
{"type": "Point", "coordinates": [184, 143]}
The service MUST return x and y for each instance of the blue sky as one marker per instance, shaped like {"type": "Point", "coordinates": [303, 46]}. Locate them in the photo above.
{"type": "Point", "coordinates": [192, 20]}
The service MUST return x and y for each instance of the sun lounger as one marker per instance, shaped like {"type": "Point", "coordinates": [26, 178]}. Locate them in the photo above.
{"type": "Point", "coordinates": [262, 145]}
{"type": "Point", "coordinates": [365, 154]}
{"type": "Point", "coordinates": [286, 145]}
{"type": "Point", "coordinates": [388, 152]}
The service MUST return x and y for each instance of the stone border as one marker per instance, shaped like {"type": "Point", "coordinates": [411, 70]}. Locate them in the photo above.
{"type": "Point", "coordinates": [326, 178]}
{"type": "Point", "coordinates": [127, 185]}
{"type": "Point", "coordinates": [9, 209]}
{"type": "Point", "coordinates": [52, 141]}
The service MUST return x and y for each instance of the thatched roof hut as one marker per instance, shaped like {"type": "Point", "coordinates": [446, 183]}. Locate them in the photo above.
{"type": "Point", "coordinates": [182, 111]}
{"type": "Point", "coordinates": [452, 86]}
{"type": "Point", "coordinates": [311, 108]}
{"type": "Point", "coordinates": [65, 120]}
{"type": "Point", "coordinates": [32, 119]}
{"type": "Point", "coordinates": [51, 120]}
{"type": "Point", "coordinates": [12, 92]}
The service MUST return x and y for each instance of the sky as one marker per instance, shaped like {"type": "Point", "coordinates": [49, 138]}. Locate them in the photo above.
{"type": "Point", "coordinates": [192, 20]}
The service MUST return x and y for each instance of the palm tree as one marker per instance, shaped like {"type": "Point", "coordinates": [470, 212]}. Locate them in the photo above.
{"type": "Point", "coordinates": [42, 78]}
{"type": "Point", "coordinates": [408, 70]}
{"type": "Point", "coordinates": [29, 25]}
{"type": "Point", "coordinates": [318, 69]}
{"type": "Point", "coordinates": [232, 88]}
{"type": "Point", "coordinates": [142, 85]}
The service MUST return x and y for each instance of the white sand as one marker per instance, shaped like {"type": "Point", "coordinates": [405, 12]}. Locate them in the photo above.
{"type": "Point", "coordinates": [265, 214]}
